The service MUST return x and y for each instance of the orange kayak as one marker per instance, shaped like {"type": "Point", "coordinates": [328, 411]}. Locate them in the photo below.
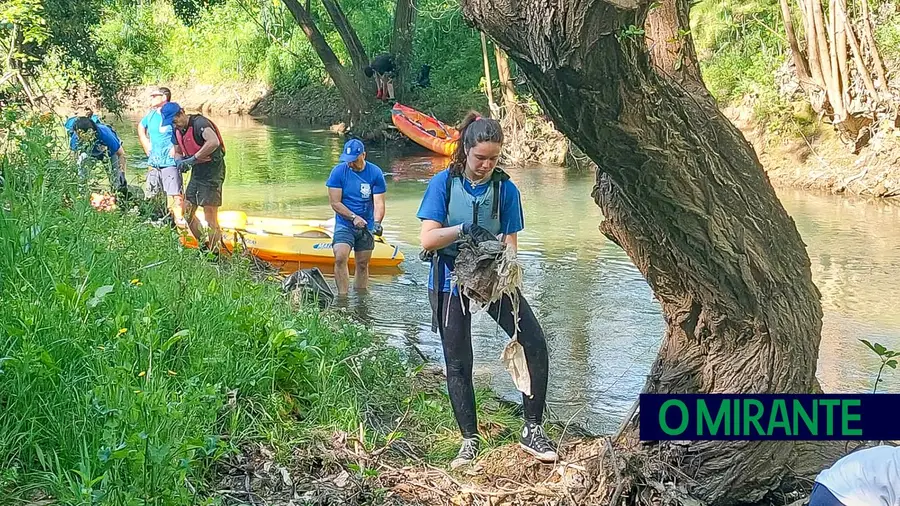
{"type": "Point", "coordinates": [425, 130]}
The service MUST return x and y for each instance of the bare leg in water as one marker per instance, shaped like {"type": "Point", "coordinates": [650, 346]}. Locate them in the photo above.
{"type": "Point", "coordinates": [341, 268]}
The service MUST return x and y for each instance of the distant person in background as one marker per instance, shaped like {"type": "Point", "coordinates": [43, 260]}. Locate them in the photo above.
{"type": "Point", "coordinates": [356, 191]}
{"type": "Point", "coordinates": [382, 68]}
{"type": "Point", "coordinates": [199, 148]}
{"type": "Point", "coordinates": [90, 139]}
{"type": "Point", "coordinates": [424, 79]}
{"type": "Point", "coordinates": [157, 141]}
{"type": "Point", "coordinates": [869, 477]}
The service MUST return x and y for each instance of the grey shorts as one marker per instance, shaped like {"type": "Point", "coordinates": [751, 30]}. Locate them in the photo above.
{"type": "Point", "coordinates": [166, 179]}
{"type": "Point", "coordinates": [359, 239]}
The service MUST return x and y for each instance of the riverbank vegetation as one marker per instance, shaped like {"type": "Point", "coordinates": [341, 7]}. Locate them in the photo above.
{"type": "Point", "coordinates": [304, 60]}
{"type": "Point", "coordinates": [134, 371]}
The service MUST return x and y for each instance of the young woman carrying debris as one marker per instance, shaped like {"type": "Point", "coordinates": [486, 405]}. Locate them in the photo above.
{"type": "Point", "coordinates": [474, 202]}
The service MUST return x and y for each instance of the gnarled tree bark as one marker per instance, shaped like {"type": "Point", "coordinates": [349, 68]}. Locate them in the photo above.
{"type": "Point", "coordinates": [402, 42]}
{"type": "Point", "coordinates": [684, 194]}
{"type": "Point", "coordinates": [671, 45]}
{"type": "Point", "coordinates": [351, 41]}
{"type": "Point", "coordinates": [348, 89]}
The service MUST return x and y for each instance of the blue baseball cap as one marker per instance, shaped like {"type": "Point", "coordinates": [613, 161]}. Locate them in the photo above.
{"type": "Point", "coordinates": [168, 111]}
{"type": "Point", "coordinates": [352, 149]}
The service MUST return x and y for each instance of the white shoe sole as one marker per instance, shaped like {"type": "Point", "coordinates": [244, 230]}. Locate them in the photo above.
{"type": "Point", "coordinates": [457, 463]}
{"type": "Point", "coordinates": [547, 457]}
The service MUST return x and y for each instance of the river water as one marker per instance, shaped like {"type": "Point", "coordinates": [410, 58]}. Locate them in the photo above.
{"type": "Point", "coordinates": [602, 323]}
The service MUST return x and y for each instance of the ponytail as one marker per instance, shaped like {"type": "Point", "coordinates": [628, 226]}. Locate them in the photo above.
{"type": "Point", "coordinates": [473, 130]}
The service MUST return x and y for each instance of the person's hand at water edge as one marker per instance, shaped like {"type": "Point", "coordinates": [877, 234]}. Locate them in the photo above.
{"type": "Point", "coordinates": [379, 230]}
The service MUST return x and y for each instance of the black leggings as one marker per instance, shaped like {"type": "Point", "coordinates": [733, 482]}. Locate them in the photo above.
{"type": "Point", "coordinates": [455, 329]}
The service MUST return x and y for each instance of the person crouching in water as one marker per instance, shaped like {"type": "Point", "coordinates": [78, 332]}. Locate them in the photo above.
{"type": "Point", "coordinates": [199, 148]}
{"type": "Point", "coordinates": [474, 198]}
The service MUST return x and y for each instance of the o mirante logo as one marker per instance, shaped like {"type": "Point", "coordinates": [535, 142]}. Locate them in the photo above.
{"type": "Point", "coordinates": [768, 416]}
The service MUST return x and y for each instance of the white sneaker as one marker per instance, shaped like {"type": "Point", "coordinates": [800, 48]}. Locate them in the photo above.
{"type": "Point", "coordinates": [467, 453]}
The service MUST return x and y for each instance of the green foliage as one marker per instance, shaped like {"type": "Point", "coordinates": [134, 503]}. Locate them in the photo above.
{"type": "Point", "coordinates": [887, 36]}
{"type": "Point", "coordinates": [452, 48]}
{"type": "Point", "coordinates": [130, 366]}
{"type": "Point", "coordinates": [241, 40]}
{"type": "Point", "coordinates": [133, 39]}
{"type": "Point", "coordinates": [739, 46]}
{"type": "Point", "coordinates": [34, 32]}
{"type": "Point", "coordinates": [27, 18]}
{"type": "Point", "coordinates": [888, 358]}
{"type": "Point", "coordinates": [188, 10]}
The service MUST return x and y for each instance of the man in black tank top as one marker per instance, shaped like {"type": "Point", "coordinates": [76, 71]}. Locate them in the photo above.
{"type": "Point", "coordinates": [199, 146]}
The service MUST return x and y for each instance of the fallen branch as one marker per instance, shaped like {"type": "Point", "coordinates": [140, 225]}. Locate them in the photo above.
{"type": "Point", "coordinates": [620, 485]}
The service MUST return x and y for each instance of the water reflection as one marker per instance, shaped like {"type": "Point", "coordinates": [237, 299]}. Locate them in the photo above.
{"type": "Point", "coordinates": [602, 323]}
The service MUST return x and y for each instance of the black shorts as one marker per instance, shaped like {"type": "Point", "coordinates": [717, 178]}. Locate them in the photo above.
{"type": "Point", "coordinates": [205, 186]}
{"type": "Point", "coordinates": [359, 239]}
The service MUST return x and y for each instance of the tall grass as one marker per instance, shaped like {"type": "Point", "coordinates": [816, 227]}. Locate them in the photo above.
{"type": "Point", "coordinates": [129, 366]}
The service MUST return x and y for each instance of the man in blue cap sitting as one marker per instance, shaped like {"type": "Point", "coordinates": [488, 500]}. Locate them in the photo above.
{"type": "Point", "coordinates": [356, 191]}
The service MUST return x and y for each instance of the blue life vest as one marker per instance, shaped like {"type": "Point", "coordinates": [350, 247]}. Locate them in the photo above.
{"type": "Point", "coordinates": [463, 207]}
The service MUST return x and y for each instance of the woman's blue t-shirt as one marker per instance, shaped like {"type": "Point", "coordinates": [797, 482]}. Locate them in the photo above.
{"type": "Point", "coordinates": [434, 207]}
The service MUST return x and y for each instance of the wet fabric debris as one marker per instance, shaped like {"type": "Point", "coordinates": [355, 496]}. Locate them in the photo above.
{"type": "Point", "coordinates": [484, 273]}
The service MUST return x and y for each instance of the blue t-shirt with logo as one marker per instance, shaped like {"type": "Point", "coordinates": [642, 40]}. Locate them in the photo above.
{"type": "Point", "coordinates": [358, 190]}
{"type": "Point", "coordinates": [105, 138]}
{"type": "Point", "coordinates": [160, 140]}
{"type": "Point", "coordinates": [434, 207]}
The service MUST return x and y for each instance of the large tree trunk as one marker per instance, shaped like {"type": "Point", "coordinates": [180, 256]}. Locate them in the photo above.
{"type": "Point", "coordinates": [351, 41]}
{"type": "Point", "coordinates": [348, 89]}
{"type": "Point", "coordinates": [402, 42]}
{"type": "Point", "coordinates": [671, 45]}
{"type": "Point", "coordinates": [685, 196]}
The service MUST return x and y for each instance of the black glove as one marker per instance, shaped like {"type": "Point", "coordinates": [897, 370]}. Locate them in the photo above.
{"type": "Point", "coordinates": [185, 164]}
{"type": "Point", "coordinates": [379, 230]}
{"type": "Point", "coordinates": [478, 233]}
